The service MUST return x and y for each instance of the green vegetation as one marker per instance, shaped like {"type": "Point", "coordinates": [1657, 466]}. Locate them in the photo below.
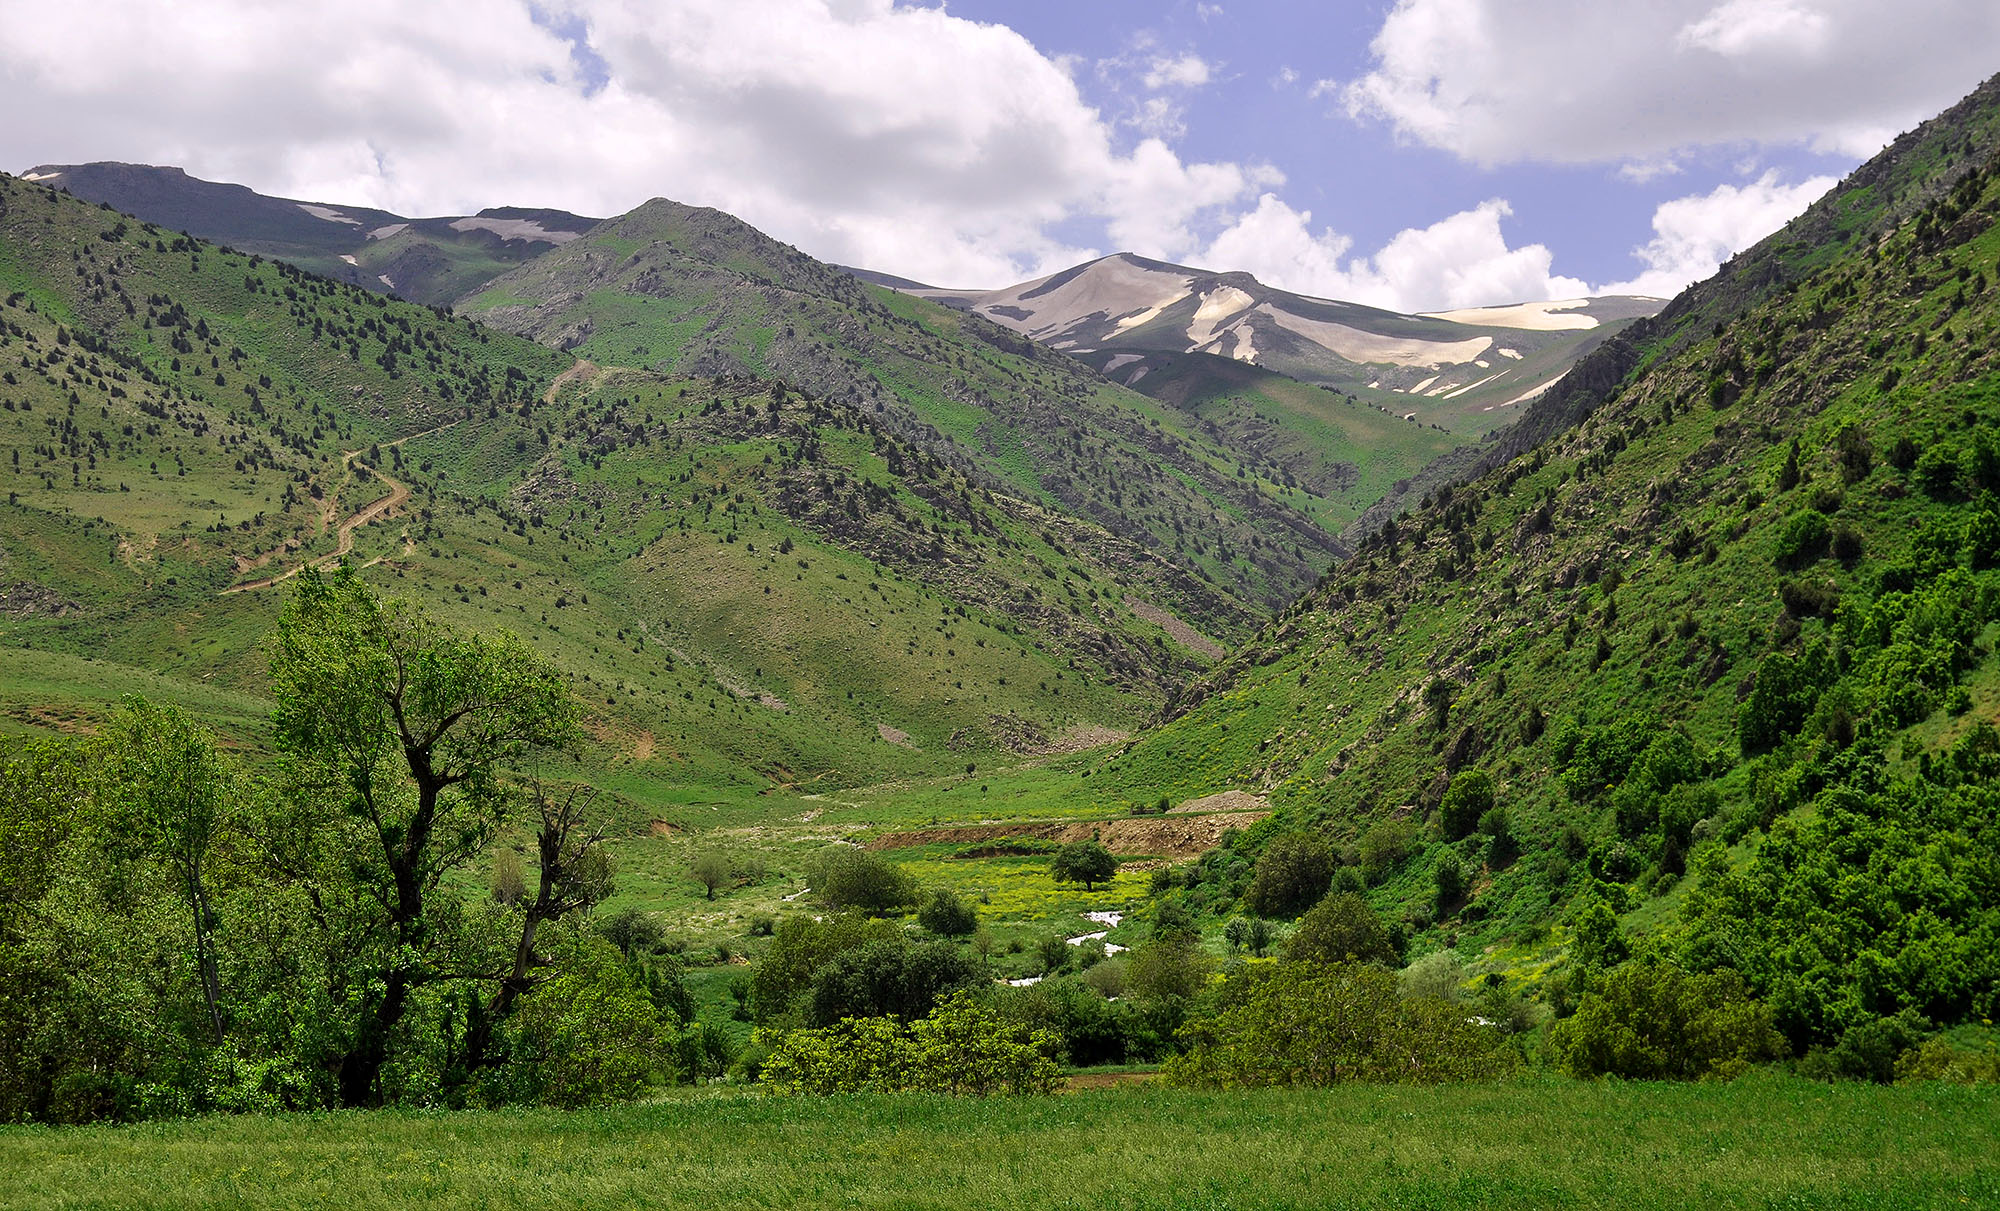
{"type": "Point", "coordinates": [1757, 1142]}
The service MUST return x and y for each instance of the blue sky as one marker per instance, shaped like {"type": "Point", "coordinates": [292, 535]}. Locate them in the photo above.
{"type": "Point", "coordinates": [1422, 154]}
{"type": "Point", "coordinates": [1357, 175]}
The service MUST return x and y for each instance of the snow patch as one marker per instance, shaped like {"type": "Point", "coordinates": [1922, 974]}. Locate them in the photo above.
{"type": "Point", "coordinates": [349, 258]}
{"type": "Point", "coordinates": [1508, 353]}
{"type": "Point", "coordinates": [1537, 317]}
{"type": "Point", "coordinates": [1217, 306]}
{"type": "Point", "coordinates": [383, 233]}
{"type": "Point", "coordinates": [40, 176]}
{"type": "Point", "coordinates": [328, 213]}
{"type": "Point", "coordinates": [1532, 392]}
{"type": "Point", "coordinates": [514, 229]}
{"type": "Point", "coordinates": [1122, 359]}
{"type": "Point", "coordinates": [384, 279]}
{"type": "Point", "coordinates": [1358, 346]}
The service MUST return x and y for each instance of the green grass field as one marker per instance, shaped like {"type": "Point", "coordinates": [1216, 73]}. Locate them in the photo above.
{"type": "Point", "coordinates": [1765, 1143]}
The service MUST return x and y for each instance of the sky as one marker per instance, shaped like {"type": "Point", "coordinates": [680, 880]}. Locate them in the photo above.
{"type": "Point", "coordinates": [1418, 155]}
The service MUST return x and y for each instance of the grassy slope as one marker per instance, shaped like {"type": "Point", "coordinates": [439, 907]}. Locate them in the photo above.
{"type": "Point", "coordinates": [1760, 1143]}
{"type": "Point", "coordinates": [696, 291]}
{"type": "Point", "coordinates": [1495, 596]}
{"type": "Point", "coordinates": [911, 599]}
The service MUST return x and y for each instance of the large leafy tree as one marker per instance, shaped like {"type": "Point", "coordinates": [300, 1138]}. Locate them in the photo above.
{"type": "Point", "coordinates": [400, 727]}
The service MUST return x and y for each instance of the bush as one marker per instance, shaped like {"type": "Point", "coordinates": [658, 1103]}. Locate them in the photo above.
{"type": "Point", "coordinates": [1451, 880]}
{"type": "Point", "coordinates": [800, 949]}
{"type": "Point", "coordinates": [947, 916]}
{"type": "Point", "coordinates": [1313, 1025]}
{"type": "Point", "coordinates": [890, 977]}
{"type": "Point", "coordinates": [1292, 875]}
{"type": "Point", "coordinates": [1438, 976]}
{"type": "Point", "coordinates": [844, 877]}
{"type": "Point", "coordinates": [1804, 540]}
{"type": "Point", "coordinates": [1384, 847]}
{"type": "Point", "coordinates": [1645, 1022]}
{"type": "Point", "coordinates": [1166, 968]}
{"type": "Point", "coordinates": [963, 1048]}
{"type": "Point", "coordinates": [1469, 797]}
{"type": "Point", "coordinates": [1341, 929]}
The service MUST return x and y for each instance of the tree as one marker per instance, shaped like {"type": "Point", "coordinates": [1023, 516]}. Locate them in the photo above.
{"type": "Point", "coordinates": [1085, 862]}
{"type": "Point", "coordinates": [712, 870]}
{"type": "Point", "coordinates": [946, 915]}
{"type": "Point", "coordinates": [1311, 1025]}
{"type": "Point", "coordinates": [400, 725]}
{"type": "Point", "coordinates": [844, 877]}
{"type": "Point", "coordinates": [1644, 1022]}
{"type": "Point", "coordinates": [178, 786]}
{"type": "Point", "coordinates": [1293, 874]}
{"type": "Point", "coordinates": [1341, 929]}
{"type": "Point", "coordinates": [1469, 797]}
{"type": "Point", "coordinates": [575, 874]}
{"type": "Point", "coordinates": [890, 977]}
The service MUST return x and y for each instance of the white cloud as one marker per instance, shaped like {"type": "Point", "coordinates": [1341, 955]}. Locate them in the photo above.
{"type": "Point", "coordinates": [1741, 28]}
{"type": "Point", "coordinates": [1692, 236]}
{"type": "Point", "coordinates": [1459, 261]}
{"type": "Point", "coordinates": [1580, 81]}
{"type": "Point", "coordinates": [865, 131]}
{"type": "Point", "coordinates": [1185, 71]}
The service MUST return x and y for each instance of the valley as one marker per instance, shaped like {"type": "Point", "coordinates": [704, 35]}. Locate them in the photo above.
{"type": "Point", "coordinates": [633, 660]}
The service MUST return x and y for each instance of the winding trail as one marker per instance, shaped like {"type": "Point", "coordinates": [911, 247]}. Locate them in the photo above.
{"type": "Point", "coordinates": [375, 510]}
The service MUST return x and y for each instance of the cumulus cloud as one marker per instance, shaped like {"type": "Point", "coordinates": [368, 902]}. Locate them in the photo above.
{"type": "Point", "coordinates": [1579, 81]}
{"type": "Point", "coordinates": [862, 130]}
{"type": "Point", "coordinates": [1184, 71]}
{"type": "Point", "coordinates": [1462, 260]}
{"type": "Point", "coordinates": [1693, 235]}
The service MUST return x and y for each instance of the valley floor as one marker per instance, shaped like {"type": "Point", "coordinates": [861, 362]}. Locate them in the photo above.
{"type": "Point", "coordinates": [1761, 1142]}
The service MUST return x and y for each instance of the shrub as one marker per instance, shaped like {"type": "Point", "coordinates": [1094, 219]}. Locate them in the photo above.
{"type": "Point", "coordinates": [1292, 875]}
{"type": "Point", "coordinates": [946, 915]}
{"type": "Point", "coordinates": [1469, 797]}
{"type": "Point", "coordinates": [1645, 1022]}
{"type": "Point", "coordinates": [1804, 540]}
{"type": "Point", "coordinates": [1384, 846]}
{"type": "Point", "coordinates": [1314, 1025]}
{"type": "Point", "coordinates": [844, 877]}
{"type": "Point", "coordinates": [1341, 929]}
{"type": "Point", "coordinates": [1437, 976]}
{"type": "Point", "coordinates": [890, 977]}
{"type": "Point", "coordinates": [1451, 880]}
{"type": "Point", "coordinates": [963, 1047]}
{"type": "Point", "coordinates": [800, 949]}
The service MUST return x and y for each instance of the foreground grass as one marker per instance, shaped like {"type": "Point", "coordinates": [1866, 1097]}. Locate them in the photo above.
{"type": "Point", "coordinates": [1764, 1142]}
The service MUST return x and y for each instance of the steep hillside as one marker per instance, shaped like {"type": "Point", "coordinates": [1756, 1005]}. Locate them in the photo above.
{"type": "Point", "coordinates": [751, 585]}
{"type": "Point", "coordinates": [1888, 191]}
{"type": "Point", "coordinates": [1738, 624]}
{"type": "Point", "coordinates": [689, 291]}
{"type": "Point", "coordinates": [430, 261]}
{"type": "Point", "coordinates": [1468, 371]}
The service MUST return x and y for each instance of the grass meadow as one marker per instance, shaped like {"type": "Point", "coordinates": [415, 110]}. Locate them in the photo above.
{"type": "Point", "coordinates": [1765, 1142]}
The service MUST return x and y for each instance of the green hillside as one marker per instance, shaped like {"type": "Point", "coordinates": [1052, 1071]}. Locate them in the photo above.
{"type": "Point", "coordinates": [750, 585]}
{"type": "Point", "coordinates": [1738, 619]}
{"type": "Point", "coordinates": [688, 291]}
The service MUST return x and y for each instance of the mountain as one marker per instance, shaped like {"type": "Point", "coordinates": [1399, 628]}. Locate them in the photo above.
{"type": "Point", "coordinates": [1469, 370]}
{"type": "Point", "coordinates": [681, 290]}
{"type": "Point", "coordinates": [751, 584]}
{"type": "Point", "coordinates": [430, 261]}
{"type": "Point", "coordinates": [1719, 647]}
